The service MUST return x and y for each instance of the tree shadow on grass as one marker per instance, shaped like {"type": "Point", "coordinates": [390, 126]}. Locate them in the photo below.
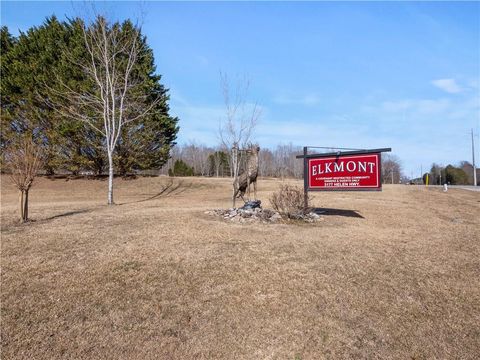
{"type": "Point", "coordinates": [167, 190]}
{"type": "Point", "coordinates": [337, 212]}
{"type": "Point", "coordinates": [69, 213]}
{"type": "Point", "coordinates": [16, 224]}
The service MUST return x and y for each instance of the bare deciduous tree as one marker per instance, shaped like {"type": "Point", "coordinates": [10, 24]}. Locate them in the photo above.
{"type": "Point", "coordinates": [266, 163]}
{"type": "Point", "coordinates": [115, 98]}
{"type": "Point", "coordinates": [196, 155]}
{"type": "Point", "coordinates": [391, 169]}
{"type": "Point", "coordinates": [240, 121]}
{"type": "Point", "coordinates": [23, 159]}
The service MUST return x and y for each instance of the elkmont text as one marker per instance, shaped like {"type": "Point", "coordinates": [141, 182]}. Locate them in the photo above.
{"type": "Point", "coordinates": [342, 166]}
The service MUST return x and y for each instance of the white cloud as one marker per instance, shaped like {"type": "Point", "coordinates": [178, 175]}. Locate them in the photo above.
{"type": "Point", "coordinates": [423, 131]}
{"type": "Point", "coordinates": [473, 83]}
{"type": "Point", "coordinates": [177, 98]}
{"type": "Point", "coordinates": [202, 60]}
{"type": "Point", "coordinates": [308, 99]}
{"type": "Point", "coordinates": [198, 122]}
{"type": "Point", "coordinates": [447, 85]}
{"type": "Point", "coordinates": [201, 122]}
{"type": "Point", "coordinates": [419, 106]}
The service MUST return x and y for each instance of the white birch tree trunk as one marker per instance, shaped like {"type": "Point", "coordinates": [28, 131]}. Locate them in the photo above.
{"type": "Point", "coordinates": [110, 179]}
{"type": "Point", "coordinates": [235, 173]}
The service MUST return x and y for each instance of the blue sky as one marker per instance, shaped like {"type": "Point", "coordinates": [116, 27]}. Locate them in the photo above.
{"type": "Point", "coordinates": [361, 75]}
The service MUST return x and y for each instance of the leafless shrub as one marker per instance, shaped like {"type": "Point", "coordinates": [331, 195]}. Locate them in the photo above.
{"type": "Point", "coordinates": [23, 159]}
{"type": "Point", "coordinates": [289, 201]}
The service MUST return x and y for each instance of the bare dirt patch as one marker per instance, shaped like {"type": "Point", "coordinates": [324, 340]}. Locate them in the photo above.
{"type": "Point", "coordinates": [394, 274]}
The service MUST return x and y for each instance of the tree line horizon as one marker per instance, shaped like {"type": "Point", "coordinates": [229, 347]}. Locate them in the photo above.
{"type": "Point", "coordinates": [194, 159]}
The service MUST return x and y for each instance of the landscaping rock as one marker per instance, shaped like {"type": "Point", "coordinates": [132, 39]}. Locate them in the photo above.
{"type": "Point", "coordinates": [252, 204]}
{"type": "Point", "coordinates": [257, 214]}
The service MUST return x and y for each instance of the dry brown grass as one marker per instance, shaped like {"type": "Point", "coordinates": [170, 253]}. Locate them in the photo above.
{"type": "Point", "coordinates": [394, 274]}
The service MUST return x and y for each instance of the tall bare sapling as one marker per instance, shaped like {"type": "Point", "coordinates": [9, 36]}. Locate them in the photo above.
{"type": "Point", "coordinates": [116, 96]}
{"type": "Point", "coordinates": [239, 123]}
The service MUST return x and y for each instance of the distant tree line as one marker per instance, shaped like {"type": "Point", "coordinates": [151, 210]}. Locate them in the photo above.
{"type": "Point", "coordinates": [195, 159]}
{"type": "Point", "coordinates": [200, 160]}
{"type": "Point", "coordinates": [46, 62]}
{"type": "Point", "coordinates": [450, 174]}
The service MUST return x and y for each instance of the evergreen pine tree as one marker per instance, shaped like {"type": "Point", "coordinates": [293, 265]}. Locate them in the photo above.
{"type": "Point", "coordinates": [39, 65]}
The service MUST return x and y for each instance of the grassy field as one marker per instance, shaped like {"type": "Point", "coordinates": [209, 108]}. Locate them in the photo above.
{"type": "Point", "coordinates": [384, 275]}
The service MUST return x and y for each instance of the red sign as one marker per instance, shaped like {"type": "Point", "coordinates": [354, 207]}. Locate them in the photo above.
{"type": "Point", "coordinates": [349, 172]}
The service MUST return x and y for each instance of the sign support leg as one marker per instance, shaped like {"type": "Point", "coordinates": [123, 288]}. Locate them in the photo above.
{"type": "Point", "coordinates": [305, 178]}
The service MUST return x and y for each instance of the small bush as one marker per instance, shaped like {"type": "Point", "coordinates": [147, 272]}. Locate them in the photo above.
{"type": "Point", "coordinates": [289, 202]}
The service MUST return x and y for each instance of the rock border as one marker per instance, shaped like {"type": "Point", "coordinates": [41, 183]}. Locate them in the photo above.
{"type": "Point", "coordinates": [241, 215]}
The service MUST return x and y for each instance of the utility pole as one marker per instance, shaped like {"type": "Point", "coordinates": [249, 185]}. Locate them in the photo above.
{"type": "Point", "coordinates": [473, 162]}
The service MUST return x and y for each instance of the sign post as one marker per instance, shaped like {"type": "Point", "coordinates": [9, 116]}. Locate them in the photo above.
{"type": "Point", "coordinates": [305, 179]}
{"type": "Point", "coordinates": [354, 170]}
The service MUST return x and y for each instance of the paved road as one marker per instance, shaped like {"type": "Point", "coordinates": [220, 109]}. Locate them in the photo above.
{"type": "Point", "coordinates": [462, 187]}
{"type": "Point", "coordinates": [465, 187]}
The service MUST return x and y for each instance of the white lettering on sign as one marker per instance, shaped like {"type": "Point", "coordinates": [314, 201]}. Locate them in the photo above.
{"type": "Point", "coordinates": [351, 168]}
{"type": "Point", "coordinates": [362, 166]}
{"type": "Point", "coordinates": [341, 166]}
{"type": "Point", "coordinates": [357, 171]}
{"type": "Point", "coordinates": [338, 167]}
{"type": "Point", "coordinates": [327, 168]}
